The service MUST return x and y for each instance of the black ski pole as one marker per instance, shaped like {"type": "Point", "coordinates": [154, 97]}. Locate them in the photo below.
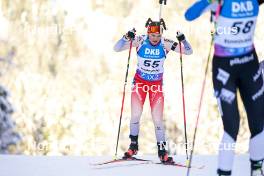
{"type": "Point", "coordinates": [123, 99]}
{"type": "Point", "coordinates": [183, 103]}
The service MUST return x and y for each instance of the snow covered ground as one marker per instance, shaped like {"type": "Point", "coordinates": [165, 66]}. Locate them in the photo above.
{"type": "Point", "coordinates": [83, 166]}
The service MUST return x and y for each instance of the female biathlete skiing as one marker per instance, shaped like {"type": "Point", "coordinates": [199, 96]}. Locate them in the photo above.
{"type": "Point", "coordinates": [152, 50]}
{"type": "Point", "coordinates": [236, 67]}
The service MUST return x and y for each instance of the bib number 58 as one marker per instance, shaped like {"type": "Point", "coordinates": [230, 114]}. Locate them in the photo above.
{"type": "Point", "coordinates": [241, 27]}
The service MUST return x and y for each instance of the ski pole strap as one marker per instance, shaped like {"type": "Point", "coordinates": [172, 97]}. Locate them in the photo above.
{"type": "Point", "coordinates": [163, 2]}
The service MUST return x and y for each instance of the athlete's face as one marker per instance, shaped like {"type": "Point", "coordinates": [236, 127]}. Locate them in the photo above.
{"type": "Point", "coordinates": [154, 38]}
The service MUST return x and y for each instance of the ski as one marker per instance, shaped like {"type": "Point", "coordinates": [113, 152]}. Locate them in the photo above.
{"type": "Point", "coordinates": [121, 160]}
{"type": "Point", "coordinates": [180, 165]}
{"type": "Point", "coordinates": [144, 161]}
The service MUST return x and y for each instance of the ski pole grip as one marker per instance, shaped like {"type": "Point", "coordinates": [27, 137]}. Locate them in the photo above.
{"type": "Point", "coordinates": [161, 2]}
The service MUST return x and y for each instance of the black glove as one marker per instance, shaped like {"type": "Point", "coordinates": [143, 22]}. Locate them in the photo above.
{"type": "Point", "coordinates": [180, 36]}
{"type": "Point", "coordinates": [161, 2]}
{"type": "Point", "coordinates": [131, 34]}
